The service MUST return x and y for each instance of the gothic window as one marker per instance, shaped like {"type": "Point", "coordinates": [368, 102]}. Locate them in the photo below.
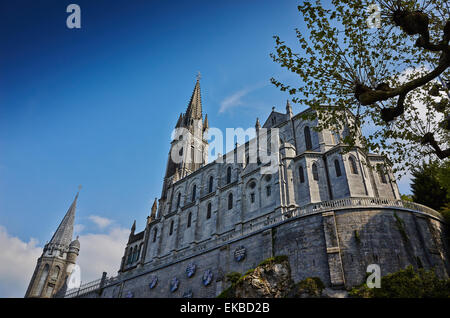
{"type": "Point", "coordinates": [56, 272]}
{"type": "Point", "coordinates": [315, 172]}
{"type": "Point", "coordinates": [252, 197]}
{"type": "Point", "coordinates": [42, 280]}
{"type": "Point", "coordinates": [247, 160]}
{"type": "Point", "coordinates": [171, 228]}
{"type": "Point", "coordinates": [228, 174]}
{"type": "Point", "coordinates": [139, 252]}
{"type": "Point", "coordinates": [208, 213]}
{"type": "Point", "coordinates": [301, 174]}
{"type": "Point", "coordinates": [337, 167]}
{"type": "Point", "coordinates": [130, 255]}
{"type": "Point", "coordinates": [353, 167]}
{"type": "Point", "coordinates": [230, 201]}
{"type": "Point", "coordinates": [180, 152]}
{"type": "Point", "coordinates": [268, 191]}
{"type": "Point", "coordinates": [189, 219]}
{"type": "Point", "coordinates": [155, 232]}
{"type": "Point", "coordinates": [135, 254]}
{"type": "Point", "coordinates": [178, 200]}
{"type": "Point", "coordinates": [308, 142]}
{"type": "Point", "coordinates": [381, 173]}
{"type": "Point", "coordinates": [210, 184]}
{"type": "Point", "coordinates": [194, 192]}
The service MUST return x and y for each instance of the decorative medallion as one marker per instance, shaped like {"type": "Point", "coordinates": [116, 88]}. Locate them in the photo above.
{"type": "Point", "coordinates": [190, 270]}
{"type": "Point", "coordinates": [188, 294]}
{"type": "Point", "coordinates": [239, 253]}
{"type": "Point", "coordinates": [153, 282]}
{"type": "Point", "coordinates": [207, 277]}
{"type": "Point", "coordinates": [174, 284]}
{"type": "Point", "coordinates": [129, 294]}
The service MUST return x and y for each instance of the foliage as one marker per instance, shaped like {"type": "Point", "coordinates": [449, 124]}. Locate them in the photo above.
{"type": "Point", "coordinates": [311, 286]}
{"type": "Point", "coordinates": [388, 77]}
{"type": "Point", "coordinates": [274, 260]}
{"type": "Point", "coordinates": [429, 185]}
{"type": "Point", "coordinates": [406, 283]}
{"type": "Point", "coordinates": [407, 197]}
{"type": "Point", "coordinates": [233, 277]}
{"type": "Point", "coordinates": [401, 227]}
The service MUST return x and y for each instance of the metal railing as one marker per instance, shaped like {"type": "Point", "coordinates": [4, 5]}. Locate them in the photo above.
{"type": "Point", "coordinates": [83, 289]}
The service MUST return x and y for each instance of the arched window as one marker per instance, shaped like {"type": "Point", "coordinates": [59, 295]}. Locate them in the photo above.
{"type": "Point", "coordinates": [268, 191]}
{"type": "Point", "coordinates": [353, 167]}
{"type": "Point", "coordinates": [210, 184]}
{"type": "Point", "coordinates": [308, 142]}
{"type": "Point", "coordinates": [42, 279]}
{"type": "Point", "coordinates": [189, 219]}
{"type": "Point", "coordinates": [135, 254]}
{"type": "Point", "coordinates": [382, 174]}
{"type": "Point", "coordinates": [155, 232]}
{"type": "Point", "coordinates": [315, 172]}
{"type": "Point", "coordinates": [252, 197]}
{"type": "Point", "coordinates": [194, 192]}
{"type": "Point", "coordinates": [171, 228]}
{"type": "Point", "coordinates": [208, 212]}
{"type": "Point", "coordinates": [228, 174]}
{"type": "Point", "coordinates": [56, 271]}
{"type": "Point", "coordinates": [178, 200]}
{"type": "Point", "coordinates": [230, 201]}
{"type": "Point", "coordinates": [139, 252]}
{"type": "Point", "coordinates": [337, 167]}
{"type": "Point", "coordinates": [180, 152]}
{"type": "Point", "coordinates": [130, 255]}
{"type": "Point", "coordinates": [301, 174]}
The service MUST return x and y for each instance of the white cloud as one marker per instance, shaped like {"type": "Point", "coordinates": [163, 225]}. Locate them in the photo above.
{"type": "Point", "coordinates": [101, 253]}
{"type": "Point", "coordinates": [101, 222]}
{"type": "Point", "coordinates": [17, 262]}
{"type": "Point", "coordinates": [78, 228]}
{"type": "Point", "coordinates": [233, 100]}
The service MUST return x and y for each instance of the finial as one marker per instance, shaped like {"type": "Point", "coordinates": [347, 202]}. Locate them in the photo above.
{"type": "Point", "coordinates": [273, 108]}
{"type": "Point", "coordinates": [199, 76]}
{"type": "Point", "coordinates": [78, 237]}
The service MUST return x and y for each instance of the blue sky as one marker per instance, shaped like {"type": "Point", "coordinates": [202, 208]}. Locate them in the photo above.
{"type": "Point", "coordinates": [95, 106]}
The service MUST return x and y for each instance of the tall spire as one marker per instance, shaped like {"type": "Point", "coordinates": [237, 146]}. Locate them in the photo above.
{"type": "Point", "coordinates": [194, 110]}
{"type": "Point", "coordinates": [64, 233]}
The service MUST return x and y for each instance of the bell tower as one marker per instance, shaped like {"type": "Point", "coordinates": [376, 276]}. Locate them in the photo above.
{"type": "Point", "coordinates": [57, 260]}
{"type": "Point", "coordinates": [189, 148]}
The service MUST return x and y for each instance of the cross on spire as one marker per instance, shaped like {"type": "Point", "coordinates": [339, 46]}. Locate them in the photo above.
{"type": "Point", "coordinates": [199, 76]}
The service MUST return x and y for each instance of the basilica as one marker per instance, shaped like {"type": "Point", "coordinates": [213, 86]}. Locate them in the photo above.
{"type": "Point", "coordinates": [331, 209]}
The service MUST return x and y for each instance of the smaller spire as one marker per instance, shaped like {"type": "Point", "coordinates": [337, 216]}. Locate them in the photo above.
{"type": "Point", "coordinates": [205, 123]}
{"type": "Point", "coordinates": [288, 108]}
{"type": "Point", "coordinates": [258, 124]}
{"type": "Point", "coordinates": [180, 121]}
{"type": "Point", "coordinates": [133, 228]}
{"type": "Point", "coordinates": [154, 207]}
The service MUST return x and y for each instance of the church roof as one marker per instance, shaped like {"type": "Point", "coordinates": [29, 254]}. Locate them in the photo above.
{"type": "Point", "coordinates": [64, 233]}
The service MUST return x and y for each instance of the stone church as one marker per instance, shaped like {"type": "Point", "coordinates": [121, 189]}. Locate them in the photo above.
{"type": "Point", "coordinates": [331, 210]}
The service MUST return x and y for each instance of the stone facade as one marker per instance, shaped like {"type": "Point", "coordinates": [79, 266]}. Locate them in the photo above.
{"type": "Point", "coordinates": [331, 210]}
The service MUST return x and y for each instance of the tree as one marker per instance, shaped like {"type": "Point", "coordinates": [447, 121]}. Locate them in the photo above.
{"type": "Point", "coordinates": [427, 189]}
{"type": "Point", "coordinates": [394, 78]}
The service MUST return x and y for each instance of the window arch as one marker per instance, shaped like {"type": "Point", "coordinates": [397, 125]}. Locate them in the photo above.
{"type": "Point", "coordinates": [381, 174]}
{"type": "Point", "coordinates": [189, 221]}
{"type": "Point", "coordinates": [210, 184]}
{"type": "Point", "coordinates": [337, 168]}
{"type": "Point", "coordinates": [230, 201]}
{"type": "Point", "coordinates": [194, 192]}
{"type": "Point", "coordinates": [301, 174]}
{"type": "Point", "coordinates": [315, 172]}
{"type": "Point", "coordinates": [228, 174]}
{"type": "Point", "coordinates": [171, 228]}
{"type": "Point", "coordinates": [308, 142]}
{"type": "Point", "coordinates": [56, 271]}
{"type": "Point", "coordinates": [353, 167]}
{"type": "Point", "coordinates": [42, 279]}
{"type": "Point", "coordinates": [155, 233]}
{"type": "Point", "coordinates": [208, 212]}
{"type": "Point", "coordinates": [178, 200]}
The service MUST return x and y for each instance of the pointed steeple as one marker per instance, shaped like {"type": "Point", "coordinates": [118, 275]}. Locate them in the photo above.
{"type": "Point", "coordinates": [133, 227]}
{"type": "Point", "coordinates": [64, 233]}
{"type": "Point", "coordinates": [194, 110]}
{"type": "Point", "coordinates": [179, 122]}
